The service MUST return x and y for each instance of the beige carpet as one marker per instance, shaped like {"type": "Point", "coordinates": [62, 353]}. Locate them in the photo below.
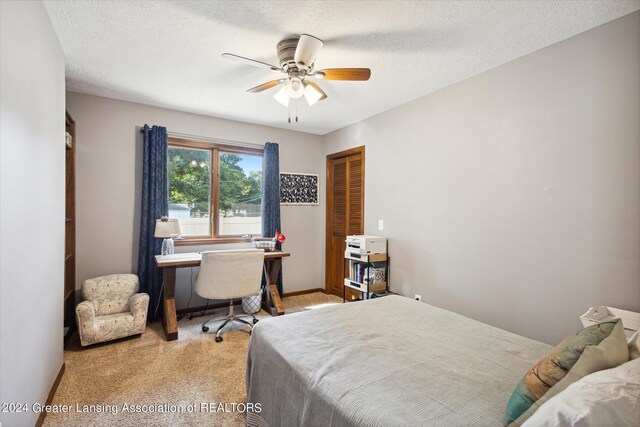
{"type": "Point", "coordinates": [192, 371]}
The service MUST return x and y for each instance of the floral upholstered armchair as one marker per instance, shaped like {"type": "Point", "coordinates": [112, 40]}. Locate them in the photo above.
{"type": "Point", "coordinates": [111, 309]}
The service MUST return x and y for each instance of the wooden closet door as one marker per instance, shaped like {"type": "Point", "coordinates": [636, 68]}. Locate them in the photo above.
{"type": "Point", "coordinates": [345, 214]}
{"type": "Point", "coordinates": [355, 194]}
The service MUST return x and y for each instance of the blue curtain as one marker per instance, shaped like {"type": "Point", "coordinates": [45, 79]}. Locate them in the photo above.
{"type": "Point", "coordinates": [271, 196]}
{"type": "Point", "coordinates": [155, 204]}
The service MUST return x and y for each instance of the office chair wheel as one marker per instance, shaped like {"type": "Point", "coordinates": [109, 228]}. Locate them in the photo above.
{"type": "Point", "coordinates": [218, 339]}
{"type": "Point", "coordinates": [255, 321]}
{"type": "Point", "coordinates": [205, 329]}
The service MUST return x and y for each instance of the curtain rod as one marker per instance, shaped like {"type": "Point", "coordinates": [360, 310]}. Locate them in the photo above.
{"type": "Point", "coordinates": [213, 140]}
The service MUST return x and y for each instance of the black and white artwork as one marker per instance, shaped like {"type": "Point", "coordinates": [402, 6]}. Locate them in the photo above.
{"type": "Point", "coordinates": [298, 189]}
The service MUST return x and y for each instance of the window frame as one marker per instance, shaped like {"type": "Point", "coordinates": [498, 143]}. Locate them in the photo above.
{"type": "Point", "coordinates": [214, 149]}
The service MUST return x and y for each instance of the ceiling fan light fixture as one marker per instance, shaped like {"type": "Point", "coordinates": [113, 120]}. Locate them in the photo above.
{"type": "Point", "coordinates": [294, 87]}
{"type": "Point", "coordinates": [282, 97]}
{"type": "Point", "coordinates": [311, 94]}
{"type": "Point", "coordinates": [307, 50]}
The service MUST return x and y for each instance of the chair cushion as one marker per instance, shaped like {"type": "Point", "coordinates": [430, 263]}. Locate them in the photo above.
{"type": "Point", "coordinates": [114, 326]}
{"type": "Point", "coordinates": [107, 306]}
{"type": "Point", "coordinates": [110, 294]}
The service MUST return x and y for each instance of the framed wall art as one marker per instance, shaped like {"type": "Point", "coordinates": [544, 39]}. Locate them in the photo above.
{"type": "Point", "coordinates": [298, 188]}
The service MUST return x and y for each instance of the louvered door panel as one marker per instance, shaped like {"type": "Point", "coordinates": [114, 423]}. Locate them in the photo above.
{"type": "Point", "coordinates": [355, 195]}
{"type": "Point", "coordinates": [339, 209]}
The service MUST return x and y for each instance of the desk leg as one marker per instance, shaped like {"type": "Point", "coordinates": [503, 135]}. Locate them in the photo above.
{"type": "Point", "coordinates": [273, 303]}
{"type": "Point", "coordinates": [169, 320]}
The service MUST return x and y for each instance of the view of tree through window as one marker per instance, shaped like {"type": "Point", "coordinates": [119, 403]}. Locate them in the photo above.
{"type": "Point", "coordinates": [190, 189]}
{"type": "Point", "coordinates": [239, 191]}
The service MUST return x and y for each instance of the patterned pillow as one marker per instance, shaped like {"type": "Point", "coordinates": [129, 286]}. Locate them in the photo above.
{"type": "Point", "coordinates": [553, 367]}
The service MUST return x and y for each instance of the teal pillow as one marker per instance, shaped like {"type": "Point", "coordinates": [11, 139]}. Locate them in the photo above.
{"type": "Point", "coordinates": [553, 367]}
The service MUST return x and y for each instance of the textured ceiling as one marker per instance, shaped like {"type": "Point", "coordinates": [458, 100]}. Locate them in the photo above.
{"type": "Point", "coordinates": [168, 53]}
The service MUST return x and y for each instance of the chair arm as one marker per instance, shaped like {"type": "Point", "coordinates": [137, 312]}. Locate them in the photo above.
{"type": "Point", "coordinates": [86, 311]}
{"type": "Point", "coordinates": [138, 305]}
{"type": "Point", "coordinates": [85, 315]}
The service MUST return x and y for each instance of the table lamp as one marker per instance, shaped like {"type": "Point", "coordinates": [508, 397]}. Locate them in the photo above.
{"type": "Point", "coordinates": [167, 228]}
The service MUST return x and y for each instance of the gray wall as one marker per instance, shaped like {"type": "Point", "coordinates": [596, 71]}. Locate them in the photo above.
{"type": "Point", "coordinates": [31, 206]}
{"type": "Point", "coordinates": [514, 197]}
{"type": "Point", "coordinates": [109, 174]}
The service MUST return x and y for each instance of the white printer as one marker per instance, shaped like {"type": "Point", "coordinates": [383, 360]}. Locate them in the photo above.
{"type": "Point", "coordinates": [365, 245]}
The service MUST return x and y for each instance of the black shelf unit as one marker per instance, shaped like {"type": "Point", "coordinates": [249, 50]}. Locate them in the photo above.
{"type": "Point", "coordinates": [366, 288]}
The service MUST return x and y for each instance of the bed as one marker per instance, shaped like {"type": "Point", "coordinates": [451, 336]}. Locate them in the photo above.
{"type": "Point", "coordinates": [388, 361]}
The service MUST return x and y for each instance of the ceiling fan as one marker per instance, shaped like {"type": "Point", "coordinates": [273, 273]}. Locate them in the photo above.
{"type": "Point", "coordinates": [297, 60]}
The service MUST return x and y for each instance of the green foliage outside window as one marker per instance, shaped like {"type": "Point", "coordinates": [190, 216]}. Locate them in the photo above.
{"type": "Point", "coordinates": [190, 182]}
{"type": "Point", "coordinates": [237, 188]}
{"type": "Point", "coordinates": [189, 179]}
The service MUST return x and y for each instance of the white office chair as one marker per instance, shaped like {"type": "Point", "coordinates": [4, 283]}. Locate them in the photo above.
{"type": "Point", "coordinates": [228, 275]}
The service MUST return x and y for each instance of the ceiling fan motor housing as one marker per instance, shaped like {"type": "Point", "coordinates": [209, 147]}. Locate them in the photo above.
{"type": "Point", "coordinates": [286, 53]}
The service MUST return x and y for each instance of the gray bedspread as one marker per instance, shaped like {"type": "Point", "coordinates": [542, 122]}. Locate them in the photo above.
{"type": "Point", "coordinates": [389, 361]}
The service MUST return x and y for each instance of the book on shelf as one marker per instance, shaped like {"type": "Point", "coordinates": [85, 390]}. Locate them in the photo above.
{"type": "Point", "coordinates": [362, 273]}
{"type": "Point", "coordinates": [376, 275]}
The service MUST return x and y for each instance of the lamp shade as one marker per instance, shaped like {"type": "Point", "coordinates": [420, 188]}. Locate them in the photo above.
{"type": "Point", "coordinates": [311, 94]}
{"type": "Point", "coordinates": [282, 97]}
{"type": "Point", "coordinates": [294, 88]}
{"type": "Point", "coordinates": [167, 227]}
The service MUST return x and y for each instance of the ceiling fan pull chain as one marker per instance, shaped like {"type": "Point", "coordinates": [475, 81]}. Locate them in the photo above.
{"type": "Point", "coordinates": [289, 113]}
{"type": "Point", "coordinates": [296, 114]}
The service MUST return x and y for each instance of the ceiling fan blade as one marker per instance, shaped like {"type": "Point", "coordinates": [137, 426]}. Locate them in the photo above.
{"type": "Point", "coordinates": [344, 74]}
{"type": "Point", "coordinates": [265, 86]}
{"type": "Point", "coordinates": [307, 50]}
{"type": "Point", "coordinates": [316, 87]}
{"type": "Point", "coordinates": [251, 62]}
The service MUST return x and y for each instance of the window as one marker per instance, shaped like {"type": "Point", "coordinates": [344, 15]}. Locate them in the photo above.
{"type": "Point", "coordinates": [240, 195]}
{"type": "Point", "coordinates": [215, 191]}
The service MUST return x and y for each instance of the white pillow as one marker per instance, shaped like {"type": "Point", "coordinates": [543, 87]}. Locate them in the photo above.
{"type": "Point", "coordinates": [634, 346]}
{"type": "Point", "coordinates": [604, 398]}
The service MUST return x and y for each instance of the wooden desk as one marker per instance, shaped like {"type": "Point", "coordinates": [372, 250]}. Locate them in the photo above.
{"type": "Point", "coordinates": [168, 263]}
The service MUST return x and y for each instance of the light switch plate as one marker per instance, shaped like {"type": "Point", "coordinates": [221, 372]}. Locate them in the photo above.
{"type": "Point", "coordinates": [380, 225]}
